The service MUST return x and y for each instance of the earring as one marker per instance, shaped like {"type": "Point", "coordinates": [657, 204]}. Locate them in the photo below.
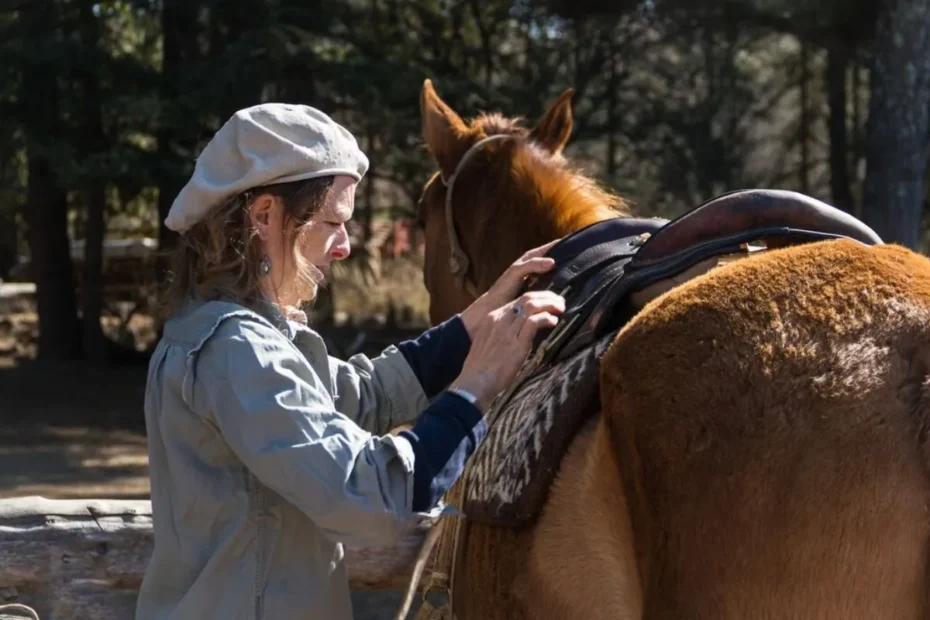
{"type": "Point", "coordinates": [264, 267]}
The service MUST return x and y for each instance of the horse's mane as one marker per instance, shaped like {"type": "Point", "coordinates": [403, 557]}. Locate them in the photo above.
{"type": "Point", "coordinates": [562, 193]}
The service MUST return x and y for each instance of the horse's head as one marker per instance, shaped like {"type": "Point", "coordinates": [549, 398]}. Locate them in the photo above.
{"type": "Point", "coordinates": [504, 189]}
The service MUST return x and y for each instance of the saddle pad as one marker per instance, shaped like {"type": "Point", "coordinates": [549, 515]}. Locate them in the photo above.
{"type": "Point", "coordinates": [508, 478]}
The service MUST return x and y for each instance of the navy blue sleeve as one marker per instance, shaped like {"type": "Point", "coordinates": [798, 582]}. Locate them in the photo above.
{"type": "Point", "coordinates": [446, 434]}
{"type": "Point", "coordinates": [436, 357]}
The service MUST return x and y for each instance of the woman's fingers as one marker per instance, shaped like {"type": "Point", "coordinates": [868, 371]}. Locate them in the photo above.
{"type": "Point", "coordinates": [530, 263]}
{"type": "Point", "coordinates": [539, 309]}
{"type": "Point", "coordinates": [505, 337]}
{"type": "Point", "coordinates": [532, 325]}
{"type": "Point", "coordinates": [541, 301]}
{"type": "Point", "coordinates": [509, 283]}
{"type": "Point", "coordinates": [530, 266]}
{"type": "Point", "coordinates": [511, 313]}
{"type": "Point", "coordinates": [518, 271]}
{"type": "Point", "coordinates": [539, 251]}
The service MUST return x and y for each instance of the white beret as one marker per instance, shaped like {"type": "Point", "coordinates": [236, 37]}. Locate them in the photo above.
{"type": "Point", "coordinates": [264, 144]}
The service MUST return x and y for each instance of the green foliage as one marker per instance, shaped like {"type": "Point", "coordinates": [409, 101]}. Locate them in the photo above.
{"type": "Point", "coordinates": [671, 96]}
{"type": "Point", "coordinates": [675, 101]}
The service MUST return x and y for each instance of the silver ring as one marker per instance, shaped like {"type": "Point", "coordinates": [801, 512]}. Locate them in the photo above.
{"type": "Point", "coordinates": [516, 309]}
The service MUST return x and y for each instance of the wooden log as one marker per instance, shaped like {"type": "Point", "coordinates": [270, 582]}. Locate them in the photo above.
{"type": "Point", "coordinates": [84, 559]}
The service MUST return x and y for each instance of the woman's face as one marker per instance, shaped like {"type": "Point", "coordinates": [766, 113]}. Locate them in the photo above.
{"type": "Point", "coordinates": [324, 239]}
{"type": "Point", "coordinates": [320, 242]}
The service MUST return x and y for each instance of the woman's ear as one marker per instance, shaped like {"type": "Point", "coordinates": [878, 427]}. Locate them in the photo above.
{"type": "Point", "coordinates": [263, 213]}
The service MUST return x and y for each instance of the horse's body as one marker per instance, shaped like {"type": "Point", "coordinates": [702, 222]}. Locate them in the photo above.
{"type": "Point", "coordinates": [761, 450]}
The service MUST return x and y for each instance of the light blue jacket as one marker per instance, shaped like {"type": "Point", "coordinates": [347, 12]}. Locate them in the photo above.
{"type": "Point", "coordinates": [260, 467]}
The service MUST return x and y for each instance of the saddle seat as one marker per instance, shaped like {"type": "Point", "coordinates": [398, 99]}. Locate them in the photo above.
{"type": "Point", "coordinates": [607, 272]}
{"type": "Point", "coordinates": [602, 266]}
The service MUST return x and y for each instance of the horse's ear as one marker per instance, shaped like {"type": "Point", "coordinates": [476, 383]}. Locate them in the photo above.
{"type": "Point", "coordinates": [443, 129]}
{"type": "Point", "coordinates": [555, 127]}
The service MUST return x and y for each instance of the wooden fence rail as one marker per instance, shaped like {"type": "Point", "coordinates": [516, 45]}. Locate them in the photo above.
{"type": "Point", "coordinates": [84, 559]}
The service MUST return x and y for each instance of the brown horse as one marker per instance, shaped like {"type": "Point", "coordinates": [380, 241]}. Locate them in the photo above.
{"type": "Point", "coordinates": [761, 449]}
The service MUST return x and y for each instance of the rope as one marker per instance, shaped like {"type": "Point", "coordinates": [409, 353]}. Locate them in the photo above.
{"type": "Point", "coordinates": [444, 535]}
{"type": "Point", "coordinates": [20, 608]}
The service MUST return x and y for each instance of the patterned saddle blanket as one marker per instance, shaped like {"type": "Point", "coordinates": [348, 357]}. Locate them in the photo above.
{"type": "Point", "coordinates": [607, 273]}
{"type": "Point", "coordinates": [509, 475]}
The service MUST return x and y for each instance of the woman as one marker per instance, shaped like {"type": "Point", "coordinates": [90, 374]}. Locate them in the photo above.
{"type": "Point", "coordinates": [266, 454]}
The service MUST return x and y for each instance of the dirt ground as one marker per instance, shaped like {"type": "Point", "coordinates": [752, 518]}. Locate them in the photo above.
{"type": "Point", "coordinates": [73, 431]}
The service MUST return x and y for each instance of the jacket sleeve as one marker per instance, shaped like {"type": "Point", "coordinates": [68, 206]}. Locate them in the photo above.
{"type": "Point", "coordinates": [277, 416]}
{"type": "Point", "coordinates": [438, 354]}
{"type": "Point", "coordinates": [378, 393]}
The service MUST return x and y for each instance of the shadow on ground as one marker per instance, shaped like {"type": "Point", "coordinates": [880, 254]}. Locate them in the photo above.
{"type": "Point", "coordinates": [72, 431]}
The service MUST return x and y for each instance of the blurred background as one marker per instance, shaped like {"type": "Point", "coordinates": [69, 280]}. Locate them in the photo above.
{"type": "Point", "coordinates": [104, 107]}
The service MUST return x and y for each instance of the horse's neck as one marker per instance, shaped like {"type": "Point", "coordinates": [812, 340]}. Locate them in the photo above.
{"type": "Point", "coordinates": [527, 231]}
{"type": "Point", "coordinates": [582, 219]}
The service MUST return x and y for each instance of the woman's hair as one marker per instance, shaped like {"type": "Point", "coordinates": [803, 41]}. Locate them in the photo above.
{"type": "Point", "coordinates": [219, 256]}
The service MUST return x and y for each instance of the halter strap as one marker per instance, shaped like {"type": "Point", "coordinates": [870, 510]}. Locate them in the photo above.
{"type": "Point", "coordinates": [458, 262]}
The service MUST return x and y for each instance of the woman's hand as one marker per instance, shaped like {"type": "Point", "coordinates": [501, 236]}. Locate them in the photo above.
{"type": "Point", "coordinates": [502, 340]}
{"type": "Point", "coordinates": [507, 285]}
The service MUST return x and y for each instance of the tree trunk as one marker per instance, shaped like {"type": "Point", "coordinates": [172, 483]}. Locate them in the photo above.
{"type": "Point", "coordinates": [8, 239]}
{"type": "Point", "coordinates": [46, 201]}
{"type": "Point", "coordinates": [245, 23]}
{"type": "Point", "coordinates": [52, 268]}
{"type": "Point", "coordinates": [95, 343]}
{"type": "Point", "coordinates": [837, 63]}
{"type": "Point", "coordinates": [897, 134]}
{"type": "Point", "coordinates": [487, 49]}
{"type": "Point", "coordinates": [369, 213]}
{"type": "Point", "coordinates": [858, 131]}
{"type": "Point", "coordinates": [804, 122]}
{"type": "Point", "coordinates": [612, 129]}
{"type": "Point", "coordinates": [179, 42]}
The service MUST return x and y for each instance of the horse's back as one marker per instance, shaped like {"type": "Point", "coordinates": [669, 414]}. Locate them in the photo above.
{"type": "Point", "coordinates": [770, 419]}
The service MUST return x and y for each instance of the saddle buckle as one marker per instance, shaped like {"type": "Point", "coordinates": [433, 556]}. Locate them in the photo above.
{"type": "Point", "coordinates": [640, 239]}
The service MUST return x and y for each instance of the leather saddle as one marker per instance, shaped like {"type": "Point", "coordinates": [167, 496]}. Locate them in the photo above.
{"type": "Point", "coordinates": [600, 269]}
